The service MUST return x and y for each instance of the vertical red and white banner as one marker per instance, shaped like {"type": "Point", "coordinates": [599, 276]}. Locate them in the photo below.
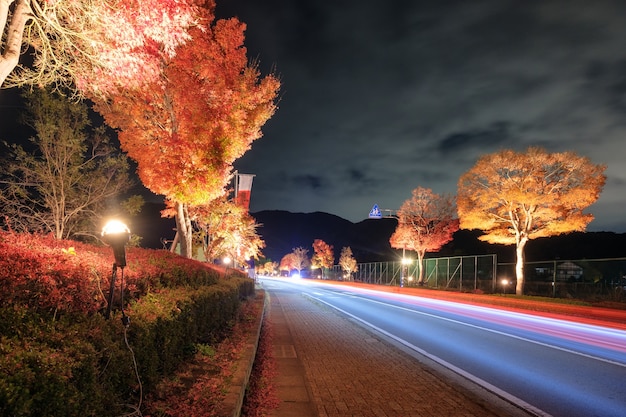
{"type": "Point", "coordinates": [243, 190]}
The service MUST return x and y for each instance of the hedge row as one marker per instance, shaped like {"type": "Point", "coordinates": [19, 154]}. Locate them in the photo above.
{"type": "Point", "coordinates": [81, 365]}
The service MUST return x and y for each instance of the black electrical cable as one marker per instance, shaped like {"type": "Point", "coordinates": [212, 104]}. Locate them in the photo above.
{"type": "Point", "coordinates": [126, 323]}
{"type": "Point", "coordinates": [125, 318]}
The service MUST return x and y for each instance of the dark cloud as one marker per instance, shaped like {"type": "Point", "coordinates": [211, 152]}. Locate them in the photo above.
{"type": "Point", "coordinates": [495, 135]}
{"type": "Point", "coordinates": [313, 182]}
{"type": "Point", "coordinates": [380, 97]}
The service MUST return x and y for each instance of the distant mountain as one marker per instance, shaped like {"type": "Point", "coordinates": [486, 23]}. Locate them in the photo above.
{"type": "Point", "coordinates": [369, 240]}
{"type": "Point", "coordinates": [283, 231]}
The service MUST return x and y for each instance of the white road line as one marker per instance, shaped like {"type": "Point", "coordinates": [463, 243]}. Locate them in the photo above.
{"type": "Point", "coordinates": [503, 394]}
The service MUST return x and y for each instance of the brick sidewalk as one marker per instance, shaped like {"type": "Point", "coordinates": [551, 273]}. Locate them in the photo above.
{"type": "Point", "coordinates": [329, 366]}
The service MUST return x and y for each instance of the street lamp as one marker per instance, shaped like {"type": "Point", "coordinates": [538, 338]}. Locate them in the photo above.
{"type": "Point", "coordinates": [226, 262]}
{"type": "Point", "coordinates": [504, 282]}
{"type": "Point", "coordinates": [116, 234]}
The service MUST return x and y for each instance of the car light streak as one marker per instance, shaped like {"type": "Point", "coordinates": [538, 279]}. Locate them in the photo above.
{"type": "Point", "coordinates": [591, 335]}
{"type": "Point", "coordinates": [547, 365]}
{"type": "Point", "coordinates": [549, 345]}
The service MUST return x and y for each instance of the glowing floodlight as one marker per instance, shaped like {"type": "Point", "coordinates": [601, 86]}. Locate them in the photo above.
{"type": "Point", "coordinates": [116, 234]}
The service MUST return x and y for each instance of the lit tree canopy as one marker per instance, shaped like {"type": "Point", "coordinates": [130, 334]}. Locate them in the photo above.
{"type": "Point", "coordinates": [426, 222]}
{"type": "Point", "coordinates": [300, 258]}
{"type": "Point", "coordinates": [96, 46]}
{"type": "Point", "coordinates": [227, 229]}
{"type": "Point", "coordinates": [323, 256]}
{"type": "Point", "coordinates": [187, 128]}
{"type": "Point", "coordinates": [347, 261]}
{"type": "Point", "coordinates": [288, 262]}
{"type": "Point", "coordinates": [514, 197]}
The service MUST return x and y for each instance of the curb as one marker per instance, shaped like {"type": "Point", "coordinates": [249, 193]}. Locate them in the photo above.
{"type": "Point", "coordinates": [233, 400]}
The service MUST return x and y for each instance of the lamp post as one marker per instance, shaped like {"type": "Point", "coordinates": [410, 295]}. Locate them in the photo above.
{"type": "Point", "coordinates": [116, 234]}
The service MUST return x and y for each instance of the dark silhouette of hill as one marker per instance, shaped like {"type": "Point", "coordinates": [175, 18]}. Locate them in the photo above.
{"type": "Point", "coordinates": [369, 240]}
{"type": "Point", "coordinates": [283, 231]}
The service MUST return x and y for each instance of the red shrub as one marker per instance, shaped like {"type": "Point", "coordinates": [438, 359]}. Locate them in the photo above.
{"type": "Point", "coordinates": [52, 275]}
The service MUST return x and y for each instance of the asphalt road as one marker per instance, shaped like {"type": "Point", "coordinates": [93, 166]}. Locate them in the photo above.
{"type": "Point", "coordinates": [549, 367]}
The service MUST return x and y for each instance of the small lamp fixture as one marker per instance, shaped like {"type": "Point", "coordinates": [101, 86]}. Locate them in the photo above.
{"type": "Point", "coordinates": [116, 234]}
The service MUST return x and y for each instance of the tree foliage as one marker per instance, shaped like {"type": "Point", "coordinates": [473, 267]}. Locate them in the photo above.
{"type": "Point", "coordinates": [300, 258]}
{"type": "Point", "coordinates": [288, 262]}
{"type": "Point", "coordinates": [347, 261]}
{"type": "Point", "coordinates": [426, 222]}
{"type": "Point", "coordinates": [227, 229]}
{"type": "Point", "coordinates": [187, 128]}
{"type": "Point", "coordinates": [517, 196]}
{"type": "Point", "coordinates": [96, 46]}
{"type": "Point", "coordinates": [268, 268]}
{"type": "Point", "coordinates": [66, 182]}
{"type": "Point", "coordinates": [323, 256]}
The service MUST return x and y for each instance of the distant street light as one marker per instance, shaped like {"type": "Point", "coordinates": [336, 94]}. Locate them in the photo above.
{"type": "Point", "coordinates": [226, 261]}
{"type": "Point", "coordinates": [405, 266]}
{"type": "Point", "coordinates": [504, 282]}
{"type": "Point", "coordinates": [116, 234]}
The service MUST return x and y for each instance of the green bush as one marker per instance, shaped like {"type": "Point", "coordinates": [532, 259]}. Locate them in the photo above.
{"type": "Point", "coordinates": [49, 368]}
{"type": "Point", "coordinates": [80, 365]}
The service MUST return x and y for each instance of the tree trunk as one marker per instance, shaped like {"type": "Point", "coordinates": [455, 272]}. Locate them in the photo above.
{"type": "Point", "coordinates": [13, 44]}
{"type": "Point", "coordinates": [184, 230]}
{"type": "Point", "coordinates": [420, 267]}
{"type": "Point", "coordinates": [519, 266]}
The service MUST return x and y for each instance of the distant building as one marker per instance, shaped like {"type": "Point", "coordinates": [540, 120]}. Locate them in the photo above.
{"type": "Point", "coordinates": [568, 271]}
{"type": "Point", "coordinates": [565, 271]}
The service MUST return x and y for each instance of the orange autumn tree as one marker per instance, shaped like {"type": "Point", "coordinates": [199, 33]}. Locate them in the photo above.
{"type": "Point", "coordinates": [347, 262]}
{"type": "Point", "coordinates": [517, 196]}
{"type": "Point", "coordinates": [426, 222]}
{"type": "Point", "coordinates": [323, 256]}
{"type": "Point", "coordinates": [288, 263]}
{"type": "Point", "coordinates": [227, 229]}
{"type": "Point", "coordinates": [186, 130]}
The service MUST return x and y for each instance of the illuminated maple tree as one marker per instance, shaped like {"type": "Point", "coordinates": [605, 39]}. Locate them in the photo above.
{"type": "Point", "coordinates": [300, 258]}
{"type": "Point", "coordinates": [268, 268]}
{"type": "Point", "coordinates": [347, 262]}
{"type": "Point", "coordinates": [227, 229]}
{"type": "Point", "coordinates": [96, 46]}
{"type": "Point", "coordinates": [323, 256]}
{"type": "Point", "coordinates": [288, 262]}
{"type": "Point", "coordinates": [426, 222]}
{"type": "Point", "coordinates": [186, 129]}
{"type": "Point", "coordinates": [517, 196]}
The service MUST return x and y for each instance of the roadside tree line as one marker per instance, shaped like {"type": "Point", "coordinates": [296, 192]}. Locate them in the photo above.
{"type": "Point", "coordinates": [176, 84]}
{"type": "Point", "coordinates": [322, 260]}
{"type": "Point", "coordinates": [511, 196]}
{"type": "Point", "coordinates": [174, 81]}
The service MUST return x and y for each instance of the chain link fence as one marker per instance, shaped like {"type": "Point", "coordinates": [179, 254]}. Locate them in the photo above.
{"type": "Point", "coordinates": [585, 279]}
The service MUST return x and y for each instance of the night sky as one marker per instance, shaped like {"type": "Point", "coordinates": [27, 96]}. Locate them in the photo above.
{"type": "Point", "coordinates": [380, 97]}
